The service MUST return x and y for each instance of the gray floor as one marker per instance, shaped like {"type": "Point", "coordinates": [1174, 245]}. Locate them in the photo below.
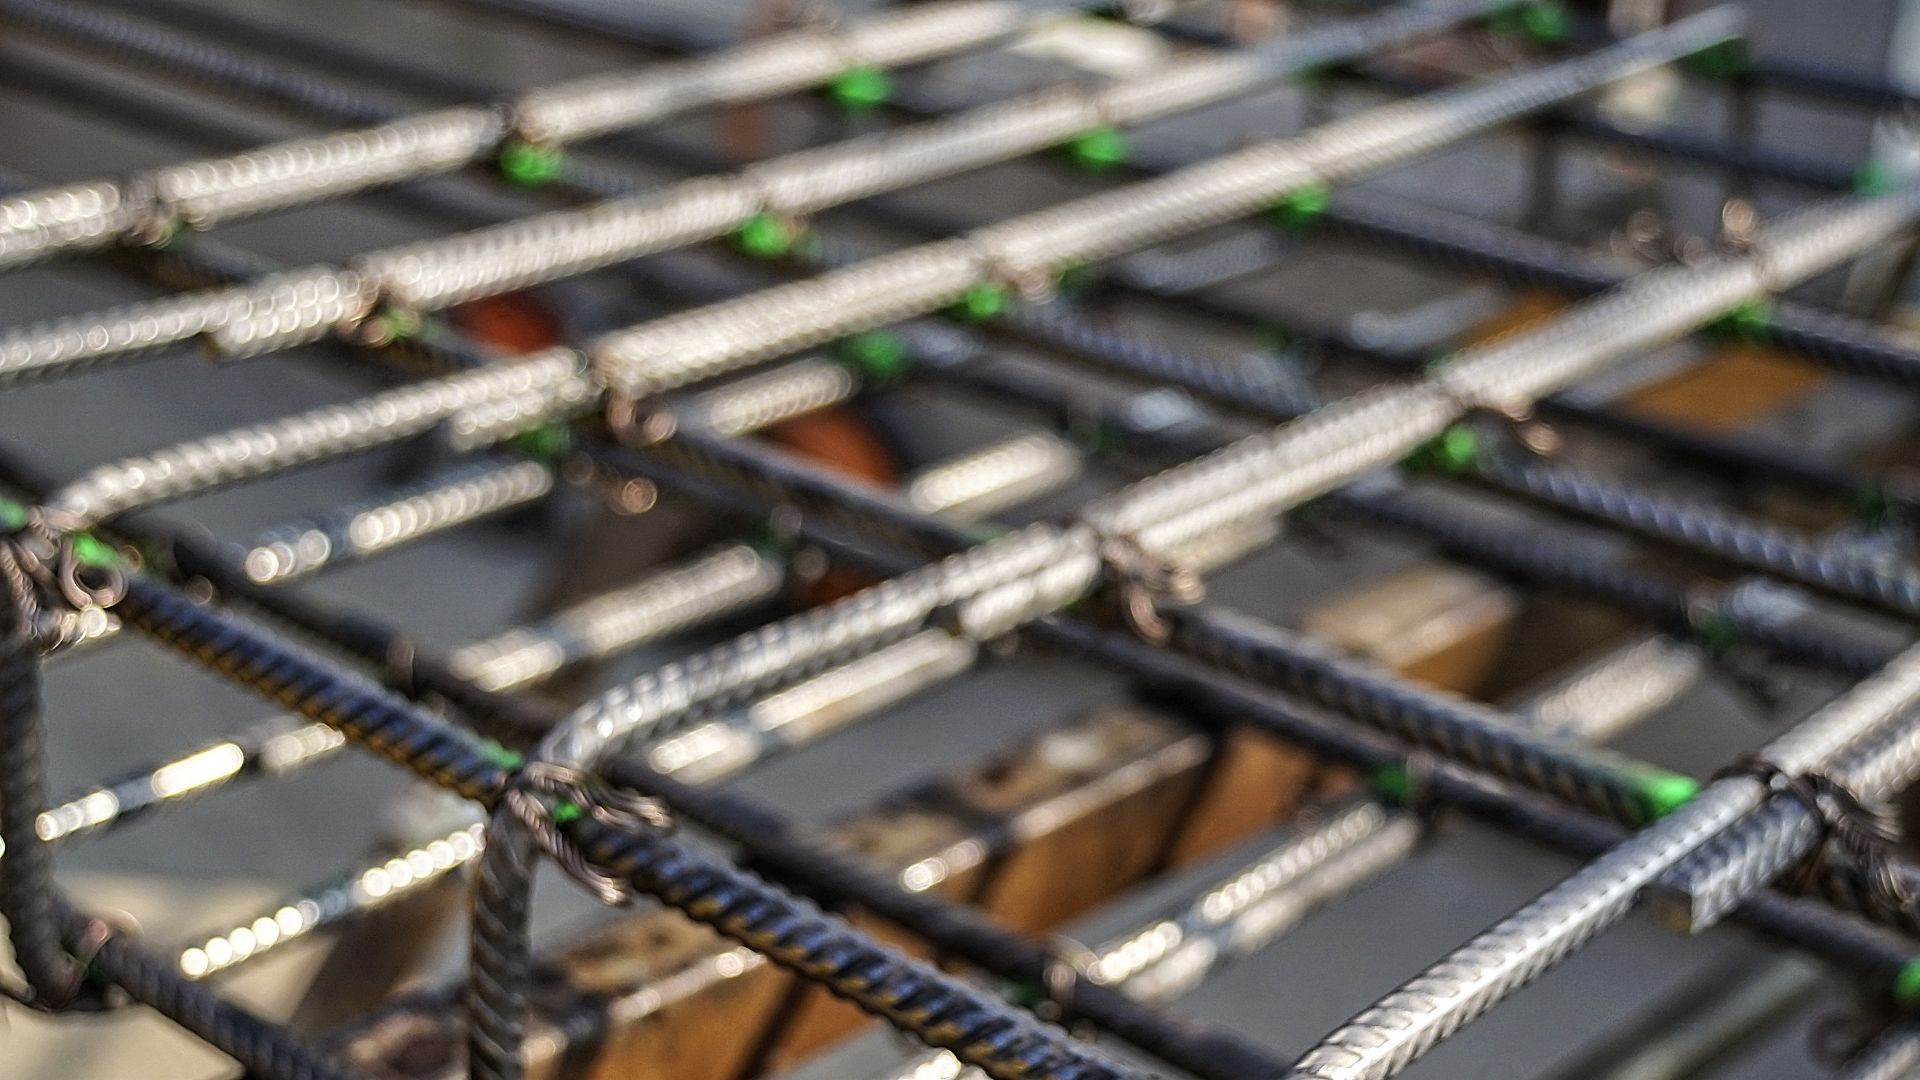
{"type": "Point", "coordinates": [131, 704]}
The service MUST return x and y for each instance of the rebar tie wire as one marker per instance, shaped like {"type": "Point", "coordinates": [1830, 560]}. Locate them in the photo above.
{"type": "Point", "coordinates": [73, 961]}
{"type": "Point", "coordinates": [1868, 837]}
{"type": "Point", "coordinates": [544, 795]}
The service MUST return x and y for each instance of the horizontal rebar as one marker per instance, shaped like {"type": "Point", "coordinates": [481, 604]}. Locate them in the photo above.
{"type": "Point", "coordinates": [203, 193]}
{"type": "Point", "coordinates": [309, 303]}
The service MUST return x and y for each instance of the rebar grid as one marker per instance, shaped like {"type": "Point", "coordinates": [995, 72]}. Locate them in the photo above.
{"type": "Point", "coordinates": [1132, 551]}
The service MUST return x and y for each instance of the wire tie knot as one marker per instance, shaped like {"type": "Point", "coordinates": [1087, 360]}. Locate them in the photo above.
{"type": "Point", "coordinates": [1144, 584]}
{"type": "Point", "coordinates": [575, 794]}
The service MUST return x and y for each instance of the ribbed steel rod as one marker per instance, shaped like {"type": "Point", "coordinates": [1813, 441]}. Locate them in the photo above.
{"type": "Point", "coordinates": [706, 342]}
{"type": "Point", "coordinates": [1402, 1026]}
{"type": "Point", "coordinates": [1429, 718]}
{"type": "Point", "coordinates": [1236, 917]}
{"type": "Point", "coordinates": [1032, 249]}
{"type": "Point", "coordinates": [730, 579]}
{"type": "Point", "coordinates": [203, 193]}
{"type": "Point", "coordinates": [456, 497]}
{"type": "Point", "coordinates": [724, 581]}
{"type": "Point", "coordinates": [434, 274]}
{"type": "Point", "coordinates": [739, 905]}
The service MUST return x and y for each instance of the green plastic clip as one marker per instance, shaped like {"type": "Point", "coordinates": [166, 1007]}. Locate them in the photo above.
{"type": "Point", "coordinates": [1451, 453]}
{"type": "Point", "coordinates": [1303, 207]}
{"type": "Point", "coordinates": [1874, 178]}
{"type": "Point", "coordinates": [1100, 149]}
{"type": "Point", "coordinates": [500, 756]}
{"type": "Point", "coordinates": [13, 515]}
{"type": "Point", "coordinates": [1751, 322]}
{"type": "Point", "coordinates": [1027, 995]}
{"type": "Point", "coordinates": [566, 813]}
{"type": "Point", "coordinates": [532, 165]}
{"type": "Point", "coordinates": [987, 300]}
{"type": "Point", "coordinates": [768, 538]}
{"type": "Point", "coordinates": [1543, 21]}
{"type": "Point", "coordinates": [1104, 437]}
{"type": "Point", "coordinates": [881, 355]}
{"type": "Point", "coordinates": [1906, 985]}
{"type": "Point", "coordinates": [544, 443]}
{"type": "Point", "coordinates": [176, 231]}
{"type": "Point", "coordinates": [1394, 784]}
{"type": "Point", "coordinates": [1722, 60]}
{"type": "Point", "coordinates": [862, 89]}
{"type": "Point", "coordinates": [1665, 792]}
{"type": "Point", "coordinates": [767, 236]}
{"type": "Point", "coordinates": [1871, 506]}
{"type": "Point", "coordinates": [95, 552]}
{"type": "Point", "coordinates": [1076, 280]}
{"type": "Point", "coordinates": [400, 324]}
{"type": "Point", "coordinates": [1716, 630]}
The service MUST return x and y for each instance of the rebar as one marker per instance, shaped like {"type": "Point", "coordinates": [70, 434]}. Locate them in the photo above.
{"type": "Point", "coordinates": [203, 193]}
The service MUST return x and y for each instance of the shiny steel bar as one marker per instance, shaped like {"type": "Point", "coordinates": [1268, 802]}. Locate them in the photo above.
{"type": "Point", "coordinates": [306, 305]}
{"type": "Point", "coordinates": [727, 580]}
{"type": "Point", "coordinates": [1319, 863]}
{"type": "Point", "coordinates": [200, 194]}
{"type": "Point", "coordinates": [996, 586]}
{"type": "Point", "coordinates": [1030, 250]}
{"type": "Point", "coordinates": [458, 497]}
{"type": "Point", "coordinates": [1270, 472]}
{"type": "Point", "coordinates": [706, 342]}
{"type": "Point", "coordinates": [1401, 1027]}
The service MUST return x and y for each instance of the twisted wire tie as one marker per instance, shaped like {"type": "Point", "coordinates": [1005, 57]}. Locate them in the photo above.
{"type": "Point", "coordinates": [1867, 835]}
{"type": "Point", "coordinates": [578, 794]}
{"type": "Point", "coordinates": [1142, 584]}
{"type": "Point", "coordinates": [52, 575]}
{"type": "Point", "coordinates": [85, 991]}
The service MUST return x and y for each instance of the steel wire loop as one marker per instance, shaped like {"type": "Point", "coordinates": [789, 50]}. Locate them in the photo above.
{"type": "Point", "coordinates": [544, 794]}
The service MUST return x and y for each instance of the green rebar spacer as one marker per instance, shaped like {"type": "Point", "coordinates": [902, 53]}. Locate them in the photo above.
{"type": "Point", "coordinates": [95, 552]}
{"type": "Point", "coordinates": [1722, 59]}
{"type": "Point", "coordinates": [566, 813]}
{"type": "Point", "coordinates": [1874, 178]}
{"type": "Point", "coordinates": [766, 236]}
{"type": "Point", "coordinates": [1104, 437]}
{"type": "Point", "coordinates": [1394, 784]}
{"type": "Point", "coordinates": [862, 89]}
{"type": "Point", "coordinates": [544, 443]}
{"type": "Point", "coordinates": [175, 230]}
{"type": "Point", "coordinates": [1906, 984]}
{"type": "Point", "coordinates": [500, 756]}
{"type": "Point", "coordinates": [1076, 280]}
{"type": "Point", "coordinates": [13, 515]}
{"type": "Point", "coordinates": [531, 164]}
{"type": "Point", "coordinates": [1457, 449]}
{"type": "Point", "coordinates": [400, 324]}
{"type": "Point", "coordinates": [1871, 506]}
{"type": "Point", "coordinates": [1100, 149]}
{"type": "Point", "coordinates": [1716, 630]}
{"type": "Point", "coordinates": [1451, 453]}
{"type": "Point", "coordinates": [1751, 322]}
{"type": "Point", "coordinates": [1303, 207]}
{"type": "Point", "coordinates": [1665, 792]}
{"type": "Point", "coordinates": [1025, 994]}
{"type": "Point", "coordinates": [880, 355]}
{"type": "Point", "coordinates": [987, 300]}
{"type": "Point", "coordinates": [769, 539]}
{"type": "Point", "coordinates": [1545, 22]}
